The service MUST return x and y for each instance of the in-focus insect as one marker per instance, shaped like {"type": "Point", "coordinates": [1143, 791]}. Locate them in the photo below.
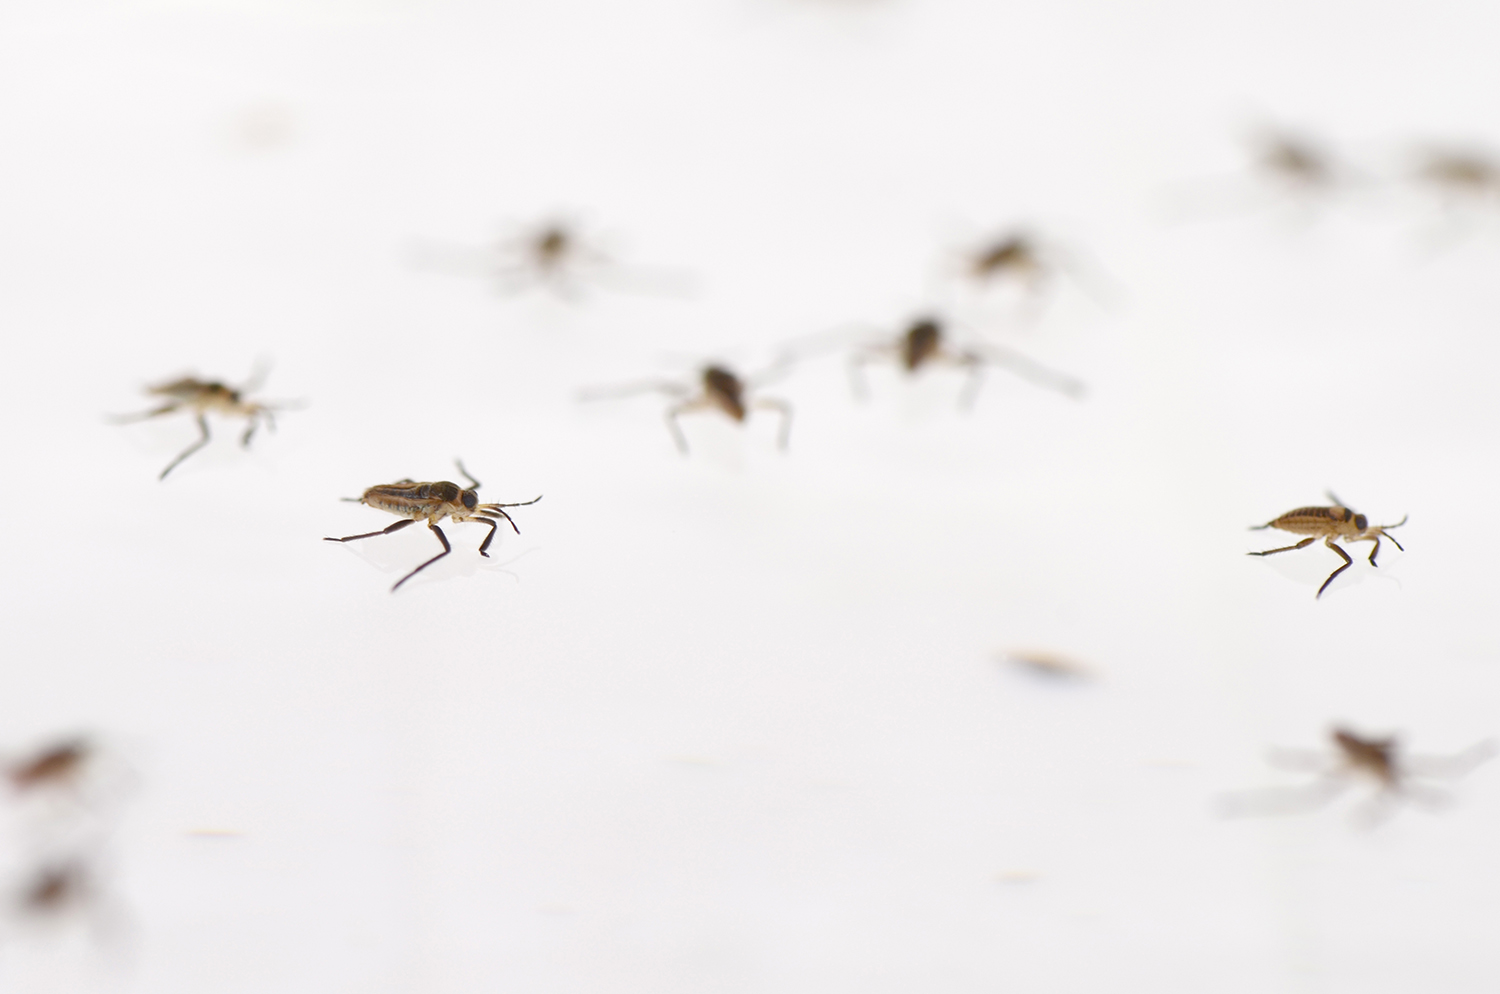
{"type": "Point", "coordinates": [1355, 757]}
{"type": "Point", "coordinates": [1329, 523]}
{"type": "Point", "coordinates": [203, 397]}
{"type": "Point", "coordinates": [716, 388]}
{"type": "Point", "coordinates": [557, 256]}
{"type": "Point", "coordinates": [432, 502]}
{"type": "Point", "coordinates": [56, 765]}
{"type": "Point", "coordinates": [925, 344]}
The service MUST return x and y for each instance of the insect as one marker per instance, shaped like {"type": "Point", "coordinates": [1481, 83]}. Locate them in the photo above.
{"type": "Point", "coordinates": [58, 764]}
{"type": "Point", "coordinates": [1031, 263]}
{"type": "Point", "coordinates": [558, 256]}
{"type": "Point", "coordinates": [432, 502]}
{"type": "Point", "coordinates": [925, 343]}
{"type": "Point", "coordinates": [717, 388]}
{"type": "Point", "coordinates": [56, 888]}
{"type": "Point", "coordinates": [1460, 174]}
{"type": "Point", "coordinates": [1329, 523]}
{"type": "Point", "coordinates": [1354, 757]}
{"type": "Point", "coordinates": [1049, 665]}
{"type": "Point", "coordinates": [202, 397]}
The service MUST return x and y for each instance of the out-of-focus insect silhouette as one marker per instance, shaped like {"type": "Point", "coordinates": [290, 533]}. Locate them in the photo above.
{"type": "Point", "coordinates": [1380, 761]}
{"type": "Point", "coordinates": [925, 344]}
{"type": "Point", "coordinates": [1048, 664]}
{"type": "Point", "coordinates": [715, 388]}
{"type": "Point", "coordinates": [204, 397]}
{"type": "Point", "coordinates": [57, 888]}
{"type": "Point", "coordinates": [1032, 264]}
{"type": "Point", "coordinates": [1329, 523]}
{"type": "Point", "coordinates": [432, 502]}
{"type": "Point", "coordinates": [555, 255]}
{"type": "Point", "coordinates": [1459, 176]}
{"type": "Point", "coordinates": [1284, 167]}
{"type": "Point", "coordinates": [57, 765]}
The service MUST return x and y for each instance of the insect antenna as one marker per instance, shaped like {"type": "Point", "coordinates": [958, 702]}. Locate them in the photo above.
{"type": "Point", "coordinates": [460, 464]}
{"type": "Point", "coordinates": [1384, 528]}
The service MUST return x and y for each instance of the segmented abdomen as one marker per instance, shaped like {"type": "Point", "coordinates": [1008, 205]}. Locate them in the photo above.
{"type": "Point", "coordinates": [1311, 520]}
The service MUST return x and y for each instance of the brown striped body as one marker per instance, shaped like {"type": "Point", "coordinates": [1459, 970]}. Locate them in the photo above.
{"type": "Point", "coordinates": [422, 501]}
{"type": "Point", "coordinates": [1337, 522]}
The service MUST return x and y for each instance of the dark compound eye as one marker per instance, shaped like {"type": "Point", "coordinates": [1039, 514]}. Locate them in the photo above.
{"type": "Point", "coordinates": [471, 499]}
{"type": "Point", "coordinates": [1361, 522]}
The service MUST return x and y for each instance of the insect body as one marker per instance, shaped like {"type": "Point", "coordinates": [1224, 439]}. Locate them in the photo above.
{"type": "Point", "coordinates": [717, 388]}
{"type": "Point", "coordinates": [432, 502]}
{"type": "Point", "coordinates": [1396, 775]}
{"type": "Point", "coordinates": [1329, 523]}
{"type": "Point", "coordinates": [57, 764]}
{"type": "Point", "coordinates": [925, 344]}
{"type": "Point", "coordinates": [202, 397]}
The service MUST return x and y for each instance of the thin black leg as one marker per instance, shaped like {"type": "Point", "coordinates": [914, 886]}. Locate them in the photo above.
{"type": "Point", "coordinates": [1286, 548]}
{"type": "Point", "coordinates": [1375, 550]}
{"type": "Point", "coordinates": [384, 531]}
{"type": "Point", "coordinates": [446, 549]}
{"type": "Point", "coordinates": [1347, 563]}
{"type": "Point", "coordinates": [202, 441]}
{"type": "Point", "coordinates": [491, 536]}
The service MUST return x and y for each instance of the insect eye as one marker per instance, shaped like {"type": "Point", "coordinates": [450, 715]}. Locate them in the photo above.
{"type": "Point", "coordinates": [1361, 522]}
{"type": "Point", "coordinates": [471, 499]}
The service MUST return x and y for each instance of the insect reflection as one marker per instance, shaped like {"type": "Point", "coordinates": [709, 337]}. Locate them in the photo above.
{"type": "Point", "coordinates": [432, 502]}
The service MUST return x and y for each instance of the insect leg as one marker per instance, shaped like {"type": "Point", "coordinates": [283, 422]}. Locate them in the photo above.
{"type": "Point", "coordinates": [384, 531]}
{"type": "Point", "coordinates": [785, 409]}
{"type": "Point", "coordinates": [155, 412]}
{"type": "Point", "coordinates": [446, 549]}
{"type": "Point", "coordinates": [250, 431]}
{"type": "Point", "coordinates": [1347, 563]}
{"type": "Point", "coordinates": [202, 427]}
{"type": "Point", "coordinates": [685, 407]}
{"type": "Point", "coordinates": [1285, 548]}
{"type": "Point", "coordinates": [975, 381]}
{"type": "Point", "coordinates": [1376, 540]}
{"type": "Point", "coordinates": [460, 464]}
{"type": "Point", "coordinates": [491, 536]}
{"type": "Point", "coordinates": [857, 379]}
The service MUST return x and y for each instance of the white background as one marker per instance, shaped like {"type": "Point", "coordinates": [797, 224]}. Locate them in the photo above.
{"type": "Point", "coordinates": [737, 722]}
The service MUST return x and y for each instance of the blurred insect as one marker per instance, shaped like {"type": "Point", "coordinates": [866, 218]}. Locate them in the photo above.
{"type": "Point", "coordinates": [56, 889]}
{"type": "Point", "coordinates": [1330, 523]}
{"type": "Point", "coordinates": [1460, 175]}
{"type": "Point", "coordinates": [203, 397]}
{"type": "Point", "coordinates": [555, 255]}
{"type": "Point", "coordinates": [57, 765]}
{"type": "Point", "coordinates": [1284, 167]}
{"type": "Point", "coordinates": [1355, 757]}
{"type": "Point", "coordinates": [432, 502]}
{"type": "Point", "coordinates": [1049, 665]}
{"type": "Point", "coordinates": [716, 388]}
{"type": "Point", "coordinates": [1032, 264]}
{"type": "Point", "coordinates": [925, 344]}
